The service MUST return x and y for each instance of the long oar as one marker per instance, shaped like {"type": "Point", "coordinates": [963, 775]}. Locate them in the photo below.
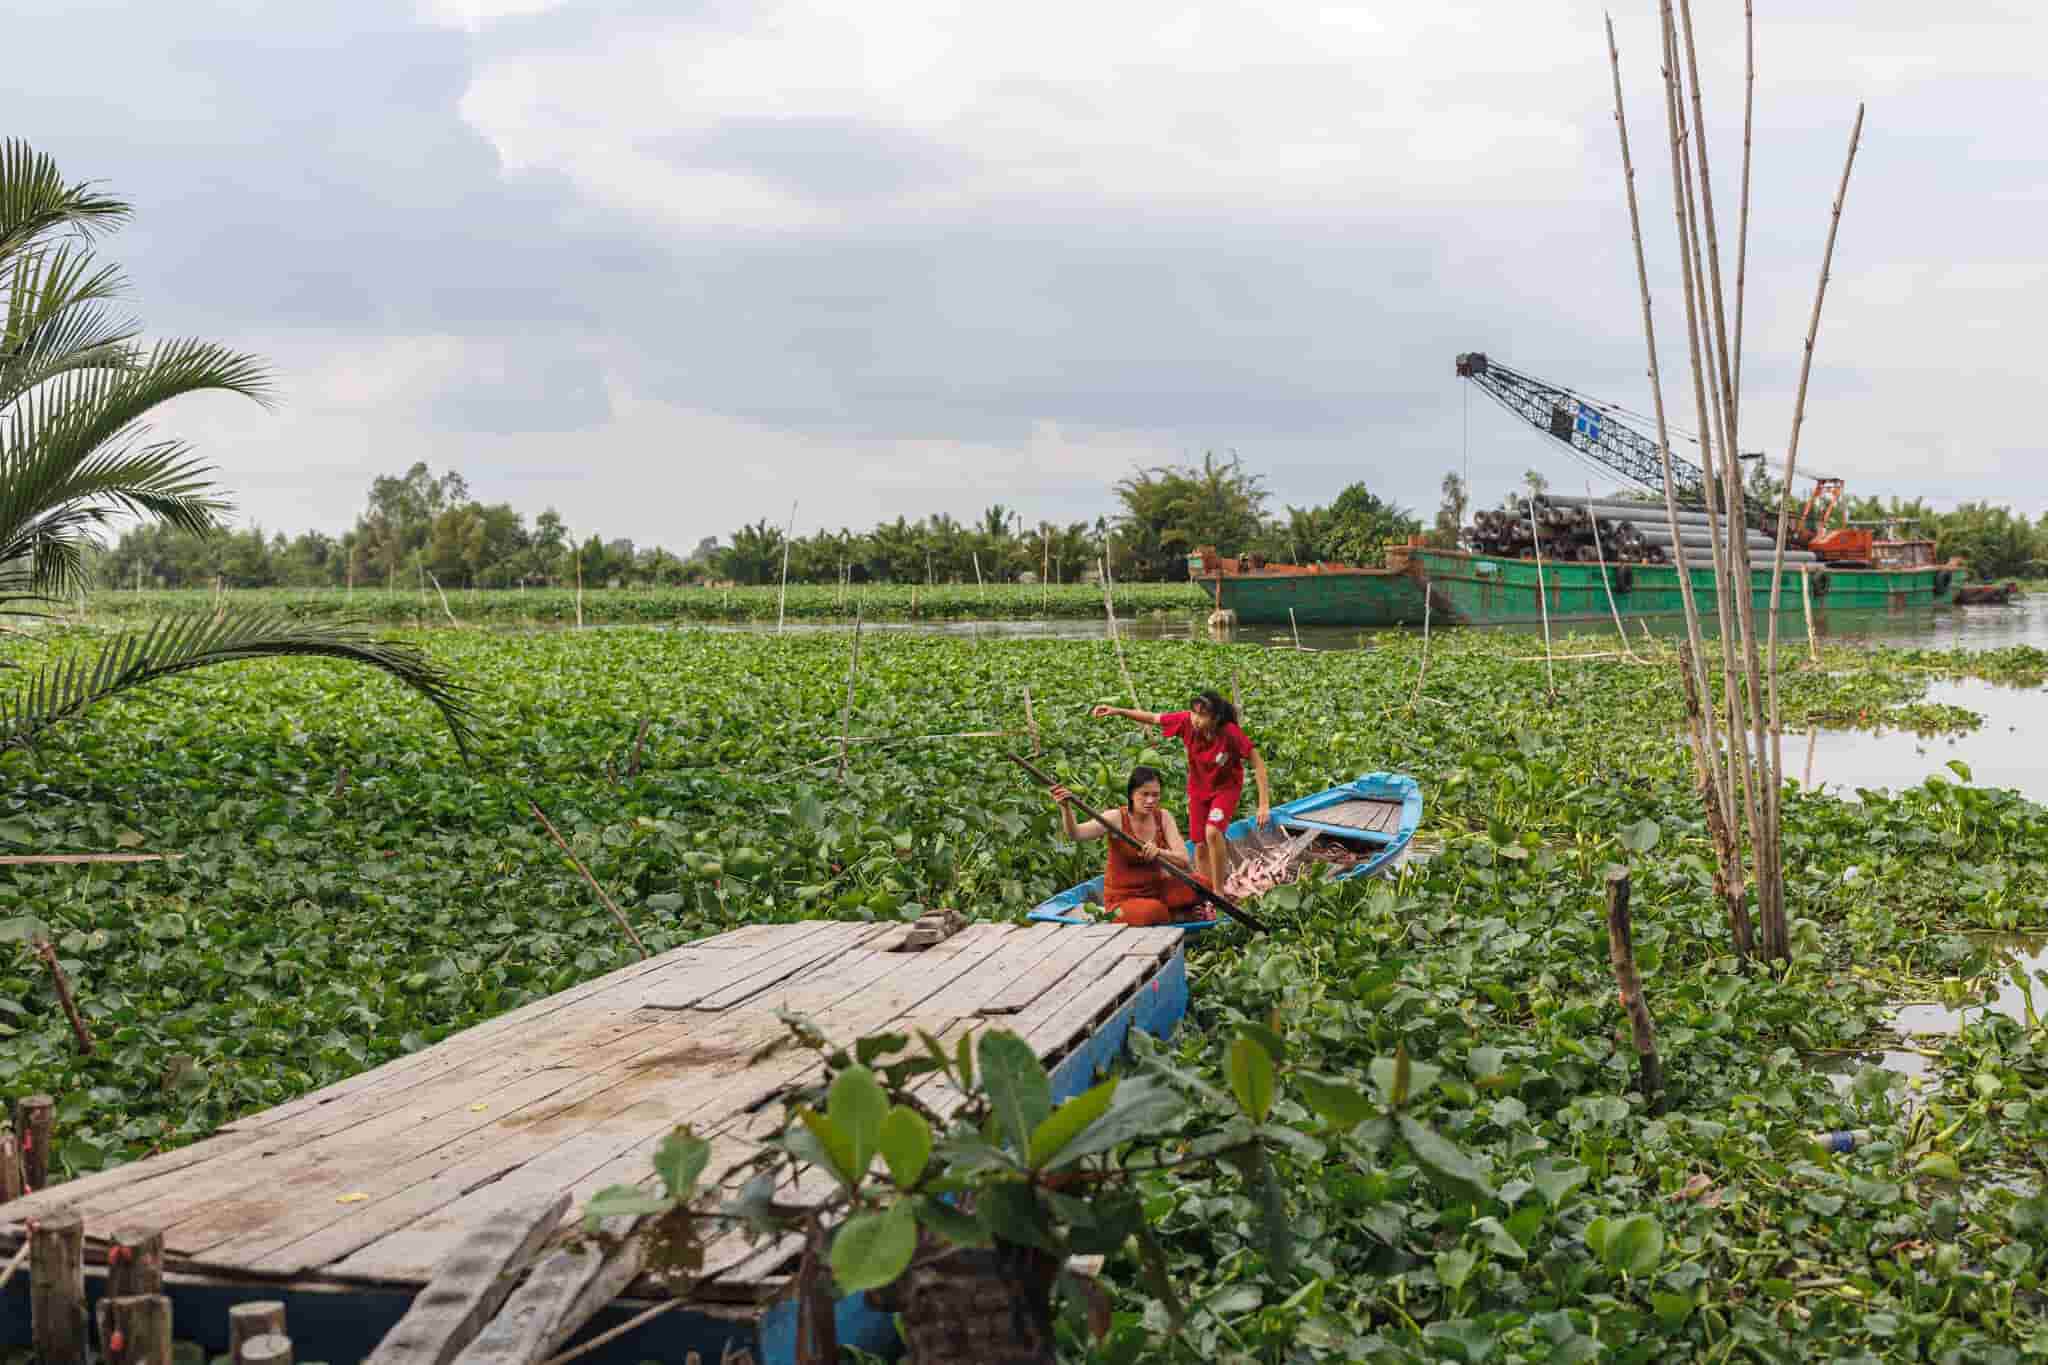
{"type": "Point", "coordinates": [1209, 894]}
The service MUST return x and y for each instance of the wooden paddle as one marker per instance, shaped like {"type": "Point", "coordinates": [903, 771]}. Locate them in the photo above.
{"type": "Point", "coordinates": [1228, 907]}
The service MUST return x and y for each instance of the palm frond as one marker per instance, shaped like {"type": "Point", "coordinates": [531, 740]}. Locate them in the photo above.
{"type": "Point", "coordinates": [35, 201]}
{"type": "Point", "coordinates": [56, 322]}
{"type": "Point", "coordinates": [58, 691]}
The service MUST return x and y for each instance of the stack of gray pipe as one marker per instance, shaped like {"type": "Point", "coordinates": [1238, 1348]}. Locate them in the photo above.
{"type": "Point", "coordinates": [1626, 532]}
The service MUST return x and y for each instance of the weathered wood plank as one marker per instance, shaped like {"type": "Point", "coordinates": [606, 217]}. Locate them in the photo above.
{"type": "Point", "coordinates": [798, 972]}
{"type": "Point", "coordinates": [1025, 986]}
{"type": "Point", "coordinates": [469, 1286]}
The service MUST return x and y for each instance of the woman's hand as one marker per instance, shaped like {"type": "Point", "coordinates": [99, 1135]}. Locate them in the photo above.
{"type": "Point", "coordinates": [1265, 816]}
{"type": "Point", "coordinates": [1060, 796]}
{"type": "Point", "coordinates": [1149, 851]}
{"type": "Point", "coordinates": [1102, 712]}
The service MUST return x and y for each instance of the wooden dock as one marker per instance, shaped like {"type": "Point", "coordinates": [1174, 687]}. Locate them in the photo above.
{"type": "Point", "coordinates": [344, 1202]}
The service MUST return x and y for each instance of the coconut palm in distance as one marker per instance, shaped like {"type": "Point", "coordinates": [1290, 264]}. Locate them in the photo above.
{"type": "Point", "coordinates": [76, 389]}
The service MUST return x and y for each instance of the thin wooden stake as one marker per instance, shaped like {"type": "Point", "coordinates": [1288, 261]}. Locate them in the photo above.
{"type": "Point", "coordinates": [577, 862]}
{"type": "Point", "coordinates": [35, 1123]}
{"type": "Point", "coordinates": [249, 1321]}
{"type": "Point", "coordinates": [1812, 743]}
{"type": "Point", "coordinates": [14, 1264]}
{"type": "Point", "coordinates": [846, 710]}
{"type": "Point", "coordinates": [1045, 572]}
{"type": "Point", "coordinates": [1422, 676]}
{"type": "Point", "coordinates": [576, 553]}
{"type": "Point", "coordinates": [980, 587]}
{"type": "Point", "coordinates": [1543, 601]}
{"type": "Point", "coordinates": [79, 1032]}
{"type": "Point", "coordinates": [1621, 951]}
{"type": "Point", "coordinates": [1236, 704]}
{"type": "Point", "coordinates": [1031, 722]}
{"type": "Point", "coordinates": [782, 596]}
{"type": "Point", "coordinates": [56, 1273]}
{"type": "Point", "coordinates": [1812, 638]}
{"type": "Point", "coordinates": [444, 600]}
{"type": "Point", "coordinates": [1115, 637]}
{"type": "Point", "coordinates": [611, 1335]}
{"type": "Point", "coordinates": [1295, 626]}
{"type": "Point", "coordinates": [1593, 519]}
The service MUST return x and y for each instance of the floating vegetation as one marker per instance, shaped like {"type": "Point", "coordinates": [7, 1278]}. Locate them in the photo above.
{"type": "Point", "coordinates": [347, 890]}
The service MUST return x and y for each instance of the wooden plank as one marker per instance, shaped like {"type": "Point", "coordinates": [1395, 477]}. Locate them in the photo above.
{"type": "Point", "coordinates": [1053, 1031]}
{"type": "Point", "coordinates": [469, 1286]}
{"type": "Point", "coordinates": [727, 988]}
{"type": "Point", "coordinates": [614, 1106]}
{"type": "Point", "coordinates": [136, 1175]}
{"type": "Point", "coordinates": [522, 1023]}
{"type": "Point", "coordinates": [522, 1329]}
{"type": "Point", "coordinates": [251, 1190]}
{"type": "Point", "coordinates": [1070, 947]}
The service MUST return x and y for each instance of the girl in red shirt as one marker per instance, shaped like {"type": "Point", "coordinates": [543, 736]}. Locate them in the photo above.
{"type": "Point", "coordinates": [1217, 754]}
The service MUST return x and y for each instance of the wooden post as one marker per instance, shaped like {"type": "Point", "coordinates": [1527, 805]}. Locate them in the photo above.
{"type": "Point", "coordinates": [846, 710]}
{"type": "Point", "coordinates": [1109, 611]}
{"type": "Point", "coordinates": [136, 1329]}
{"type": "Point", "coordinates": [1812, 742]}
{"type": "Point", "coordinates": [1044, 573]}
{"type": "Point", "coordinates": [1295, 626]}
{"type": "Point", "coordinates": [57, 1288]}
{"type": "Point", "coordinates": [135, 1262]}
{"type": "Point", "coordinates": [979, 586]}
{"type": "Point", "coordinates": [12, 1186]}
{"type": "Point", "coordinates": [248, 1322]}
{"type": "Point", "coordinates": [576, 553]}
{"type": "Point", "coordinates": [1236, 704]}
{"type": "Point", "coordinates": [1621, 950]}
{"type": "Point", "coordinates": [1031, 722]}
{"type": "Point", "coordinates": [272, 1349]}
{"type": "Point", "coordinates": [624, 924]}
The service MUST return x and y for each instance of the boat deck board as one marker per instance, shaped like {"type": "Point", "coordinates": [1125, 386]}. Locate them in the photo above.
{"type": "Point", "coordinates": [376, 1178]}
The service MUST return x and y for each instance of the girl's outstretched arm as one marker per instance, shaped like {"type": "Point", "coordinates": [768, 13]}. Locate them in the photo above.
{"type": "Point", "coordinates": [1128, 713]}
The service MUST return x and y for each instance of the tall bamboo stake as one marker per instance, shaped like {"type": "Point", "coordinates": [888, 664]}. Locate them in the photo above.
{"type": "Point", "coordinates": [1742, 227]}
{"type": "Point", "coordinates": [1115, 637]}
{"type": "Point", "coordinates": [1543, 603]}
{"type": "Point", "coordinates": [846, 710]}
{"type": "Point", "coordinates": [1812, 643]}
{"type": "Point", "coordinates": [781, 596]}
{"type": "Point", "coordinates": [1705, 743]}
{"type": "Point", "coordinates": [1792, 456]}
{"type": "Point", "coordinates": [1593, 519]}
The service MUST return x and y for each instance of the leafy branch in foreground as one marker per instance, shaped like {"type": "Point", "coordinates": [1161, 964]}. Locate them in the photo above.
{"type": "Point", "coordinates": [962, 1193]}
{"type": "Point", "coordinates": [56, 692]}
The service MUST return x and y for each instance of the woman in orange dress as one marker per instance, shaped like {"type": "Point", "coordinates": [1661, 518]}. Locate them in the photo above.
{"type": "Point", "coordinates": [1134, 887]}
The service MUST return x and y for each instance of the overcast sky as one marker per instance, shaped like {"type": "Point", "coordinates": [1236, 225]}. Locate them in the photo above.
{"type": "Point", "coordinates": [667, 266]}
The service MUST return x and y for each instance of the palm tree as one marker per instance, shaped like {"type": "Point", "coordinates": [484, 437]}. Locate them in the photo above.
{"type": "Point", "coordinates": [76, 452]}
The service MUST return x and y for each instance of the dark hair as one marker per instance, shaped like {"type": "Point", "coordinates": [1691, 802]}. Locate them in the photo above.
{"type": "Point", "coordinates": [1140, 775]}
{"type": "Point", "coordinates": [1210, 700]}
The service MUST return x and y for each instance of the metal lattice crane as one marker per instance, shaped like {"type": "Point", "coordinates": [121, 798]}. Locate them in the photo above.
{"type": "Point", "coordinates": [1595, 431]}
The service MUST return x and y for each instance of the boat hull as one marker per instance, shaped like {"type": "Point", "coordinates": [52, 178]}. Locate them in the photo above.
{"type": "Point", "coordinates": [1482, 590]}
{"type": "Point", "coordinates": [1071, 906]}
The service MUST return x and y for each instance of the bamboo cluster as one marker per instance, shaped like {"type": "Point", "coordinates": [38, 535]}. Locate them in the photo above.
{"type": "Point", "coordinates": [1736, 744]}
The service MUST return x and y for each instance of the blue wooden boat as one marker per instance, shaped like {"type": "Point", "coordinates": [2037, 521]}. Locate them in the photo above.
{"type": "Point", "coordinates": [1379, 812]}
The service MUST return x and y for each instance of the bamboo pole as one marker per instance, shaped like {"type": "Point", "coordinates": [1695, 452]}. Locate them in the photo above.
{"type": "Point", "coordinates": [1692, 659]}
{"type": "Point", "coordinates": [1031, 722]}
{"type": "Point", "coordinates": [1806, 598]}
{"type": "Point", "coordinates": [1812, 743]}
{"type": "Point", "coordinates": [79, 1032]}
{"type": "Point", "coordinates": [846, 710]}
{"type": "Point", "coordinates": [1045, 571]}
{"type": "Point", "coordinates": [1543, 602]}
{"type": "Point", "coordinates": [570, 853]}
{"type": "Point", "coordinates": [1621, 952]}
{"type": "Point", "coordinates": [1115, 637]}
{"type": "Point", "coordinates": [1742, 227]}
{"type": "Point", "coordinates": [782, 595]}
{"type": "Point", "coordinates": [1422, 674]}
{"type": "Point", "coordinates": [1295, 626]}
{"type": "Point", "coordinates": [1792, 460]}
{"type": "Point", "coordinates": [1593, 520]}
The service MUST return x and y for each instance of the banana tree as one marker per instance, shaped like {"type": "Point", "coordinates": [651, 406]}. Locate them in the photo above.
{"type": "Point", "coordinates": [78, 387]}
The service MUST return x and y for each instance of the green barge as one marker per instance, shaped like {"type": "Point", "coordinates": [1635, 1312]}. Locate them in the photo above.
{"type": "Point", "coordinates": [1484, 590]}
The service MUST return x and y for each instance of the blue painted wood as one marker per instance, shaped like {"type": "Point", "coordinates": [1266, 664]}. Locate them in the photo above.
{"type": "Point", "coordinates": [340, 1325]}
{"type": "Point", "coordinates": [1068, 907]}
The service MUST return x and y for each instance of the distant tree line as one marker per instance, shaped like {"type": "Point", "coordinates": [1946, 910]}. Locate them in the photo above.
{"type": "Point", "coordinates": [416, 525]}
{"type": "Point", "coordinates": [420, 526]}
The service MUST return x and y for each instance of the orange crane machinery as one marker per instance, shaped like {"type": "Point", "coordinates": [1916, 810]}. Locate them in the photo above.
{"type": "Point", "coordinates": [1846, 546]}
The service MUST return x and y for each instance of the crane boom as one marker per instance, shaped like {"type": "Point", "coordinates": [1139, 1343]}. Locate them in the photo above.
{"type": "Point", "coordinates": [1593, 429]}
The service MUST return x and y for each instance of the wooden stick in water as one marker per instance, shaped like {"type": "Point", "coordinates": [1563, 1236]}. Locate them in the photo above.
{"type": "Point", "coordinates": [1621, 951]}
{"type": "Point", "coordinates": [1543, 601]}
{"type": "Point", "coordinates": [1207, 893]}
{"type": "Point", "coordinates": [577, 862]}
{"type": "Point", "coordinates": [846, 711]}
